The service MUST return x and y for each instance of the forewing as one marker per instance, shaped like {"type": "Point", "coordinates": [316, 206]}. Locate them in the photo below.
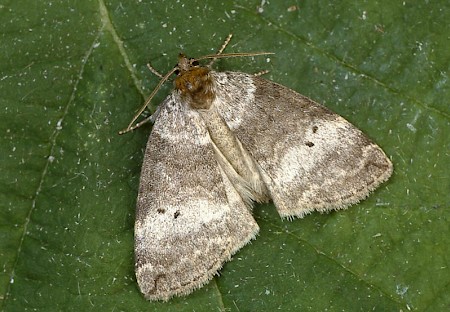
{"type": "Point", "coordinates": [189, 218]}
{"type": "Point", "coordinates": [310, 158]}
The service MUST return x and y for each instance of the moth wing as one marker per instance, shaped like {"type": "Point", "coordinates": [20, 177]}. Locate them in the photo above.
{"type": "Point", "coordinates": [189, 218]}
{"type": "Point", "coordinates": [310, 158]}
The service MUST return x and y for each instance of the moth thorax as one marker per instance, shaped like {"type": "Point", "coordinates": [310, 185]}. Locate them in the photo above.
{"type": "Point", "coordinates": [196, 87]}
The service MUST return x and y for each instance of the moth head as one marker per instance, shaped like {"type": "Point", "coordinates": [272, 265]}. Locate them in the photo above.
{"type": "Point", "coordinates": [185, 64]}
{"type": "Point", "coordinates": [194, 82]}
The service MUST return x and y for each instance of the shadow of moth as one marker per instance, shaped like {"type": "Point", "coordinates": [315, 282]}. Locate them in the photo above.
{"type": "Point", "coordinates": [221, 141]}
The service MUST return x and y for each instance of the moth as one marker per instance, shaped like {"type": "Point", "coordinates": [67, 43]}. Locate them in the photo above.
{"type": "Point", "coordinates": [222, 141]}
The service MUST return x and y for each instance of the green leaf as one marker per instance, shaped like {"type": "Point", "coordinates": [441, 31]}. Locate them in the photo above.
{"type": "Point", "coordinates": [74, 72]}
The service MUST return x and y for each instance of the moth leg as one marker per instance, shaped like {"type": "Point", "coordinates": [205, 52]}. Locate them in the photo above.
{"type": "Point", "coordinates": [260, 73]}
{"type": "Point", "coordinates": [222, 48]}
{"type": "Point", "coordinates": [154, 71]}
{"type": "Point", "coordinates": [150, 119]}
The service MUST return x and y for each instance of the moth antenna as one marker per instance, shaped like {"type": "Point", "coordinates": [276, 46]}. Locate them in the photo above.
{"type": "Point", "coordinates": [136, 116]}
{"type": "Point", "coordinates": [222, 48]}
{"type": "Point", "coordinates": [227, 55]}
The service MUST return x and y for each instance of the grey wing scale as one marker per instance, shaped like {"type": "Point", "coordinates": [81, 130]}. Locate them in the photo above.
{"type": "Point", "coordinates": [189, 218]}
{"type": "Point", "coordinates": [310, 158]}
